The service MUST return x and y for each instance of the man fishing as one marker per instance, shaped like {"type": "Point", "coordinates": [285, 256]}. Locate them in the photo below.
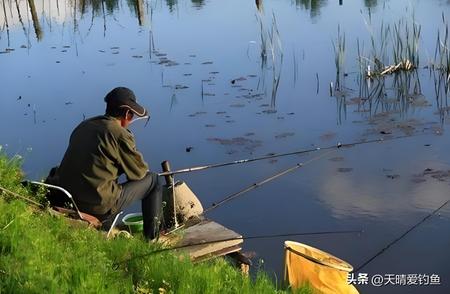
{"type": "Point", "coordinates": [100, 150]}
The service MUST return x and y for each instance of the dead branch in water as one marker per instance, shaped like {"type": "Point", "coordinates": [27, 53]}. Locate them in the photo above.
{"type": "Point", "coordinates": [405, 65]}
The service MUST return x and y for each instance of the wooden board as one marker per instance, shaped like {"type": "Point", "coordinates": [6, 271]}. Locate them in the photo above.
{"type": "Point", "coordinates": [211, 239]}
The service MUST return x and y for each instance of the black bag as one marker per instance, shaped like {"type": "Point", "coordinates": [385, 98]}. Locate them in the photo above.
{"type": "Point", "coordinates": [55, 197]}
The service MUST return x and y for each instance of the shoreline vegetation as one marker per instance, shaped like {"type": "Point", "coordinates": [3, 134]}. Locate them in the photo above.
{"type": "Point", "coordinates": [42, 252]}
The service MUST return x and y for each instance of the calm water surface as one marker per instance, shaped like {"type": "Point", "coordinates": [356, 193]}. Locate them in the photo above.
{"type": "Point", "coordinates": [197, 66]}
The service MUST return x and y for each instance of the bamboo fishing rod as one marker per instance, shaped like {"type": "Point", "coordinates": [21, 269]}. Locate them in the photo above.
{"type": "Point", "coordinates": [384, 249]}
{"type": "Point", "coordinates": [268, 236]}
{"type": "Point", "coordinates": [276, 155]}
{"type": "Point", "coordinates": [265, 181]}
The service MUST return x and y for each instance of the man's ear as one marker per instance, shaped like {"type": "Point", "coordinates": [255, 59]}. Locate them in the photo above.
{"type": "Point", "coordinates": [128, 115]}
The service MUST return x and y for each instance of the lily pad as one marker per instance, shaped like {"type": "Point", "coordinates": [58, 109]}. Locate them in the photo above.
{"type": "Point", "coordinates": [284, 135]}
{"type": "Point", "coordinates": [336, 159]}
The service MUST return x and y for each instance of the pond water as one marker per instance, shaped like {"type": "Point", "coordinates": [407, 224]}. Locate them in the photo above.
{"type": "Point", "coordinates": [231, 79]}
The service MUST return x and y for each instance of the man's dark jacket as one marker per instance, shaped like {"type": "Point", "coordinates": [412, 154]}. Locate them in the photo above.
{"type": "Point", "coordinates": [99, 151]}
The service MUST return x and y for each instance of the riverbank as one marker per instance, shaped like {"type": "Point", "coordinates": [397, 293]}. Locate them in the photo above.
{"type": "Point", "coordinates": [40, 252]}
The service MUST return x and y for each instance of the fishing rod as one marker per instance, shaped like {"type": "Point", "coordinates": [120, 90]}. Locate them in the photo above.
{"type": "Point", "coordinates": [276, 155]}
{"type": "Point", "coordinates": [269, 236]}
{"type": "Point", "coordinates": [401, 237]}
{"type": "Point", "coordinates": [21, 197]}
{"type": "Point", "coordinates": [262, 182]}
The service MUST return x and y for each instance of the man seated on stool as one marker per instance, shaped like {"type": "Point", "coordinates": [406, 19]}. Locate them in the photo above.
{"type": "Point", "coordinates": [100, 150]}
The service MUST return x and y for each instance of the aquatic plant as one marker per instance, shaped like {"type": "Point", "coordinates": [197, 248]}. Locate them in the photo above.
{"type": "Point", "coordinates": [339, 56]}
{"type": "Point", "coordinates": [405, 44]}
{"type": "Point", "coordinates": [271, 45]}
{"type": "Point", "coordinates": [263, 41]}
{"type": "Point", "coordinates": [395, 48]}
{"type": "Point", "coordinates": [276, 51]}
{"type": "Point", "coordinates": [442, 51]}
{"type": "Point", "coordinates": [295, 66]}
{"type": "Point", "coordinates": [442, 91]}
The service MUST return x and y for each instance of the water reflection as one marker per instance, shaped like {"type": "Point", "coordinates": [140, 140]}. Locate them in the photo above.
{"type": "Point", "coordinates": [313, 5]}
{"type": "Point", "coordinates": [198, 3]}
{"type": "Point", "coordinates": [173, 4]}
{"type": "Point", "coordinates": [363, 197]}
{"type": "Point", "coordinates": [13, 13]}
{"type": "Point", "coordinates": [37, 13]}
{"type": "Point", "coordinates": [442, 91]}
{"type": "Point", "coordinates": [34, 16]}
{"type": "Point", "coordinates": [259, 5]}
{"type": "Point", "coordinates": [17, 12]}
{"type": "Point", "coordinates": [370, 3]}
{"type": "Point", "coordinates": [386, 102]}
{"type": "Point", "coordinates": [138, 6]}
{"type": "Point", "coordinates": [97, 5]}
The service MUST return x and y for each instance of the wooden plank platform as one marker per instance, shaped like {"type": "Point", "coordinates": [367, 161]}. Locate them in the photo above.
{"type": "Point", "coordinates": [205, 234]}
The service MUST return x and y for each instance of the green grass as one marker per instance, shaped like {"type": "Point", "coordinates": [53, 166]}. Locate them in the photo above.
{"type": "Point", "coordinates": [42, 253]}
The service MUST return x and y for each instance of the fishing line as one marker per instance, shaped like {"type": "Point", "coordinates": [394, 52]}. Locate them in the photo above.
{"type": "Point", "coordinates": [401, 237]}
{"type": "Point", "coordinates": [270, 236]}
{"type": "Point", "coordinates": [260, 183]}
{"type": "Point", "coordinates": [304, 151]}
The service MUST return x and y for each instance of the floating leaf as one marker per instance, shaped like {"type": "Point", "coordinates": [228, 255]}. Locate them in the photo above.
{"type": "Point", "coordinates": [344, 169]}
{"type": "Point", "coordinates": [284, 135]}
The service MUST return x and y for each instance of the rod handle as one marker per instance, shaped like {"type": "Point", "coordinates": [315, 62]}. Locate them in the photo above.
{"type": "Point", "coordinates": [166, 168]}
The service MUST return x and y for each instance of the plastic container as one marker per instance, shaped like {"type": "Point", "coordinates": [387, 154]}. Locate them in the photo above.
{"type": "Point", "coordinates": [134, 222]}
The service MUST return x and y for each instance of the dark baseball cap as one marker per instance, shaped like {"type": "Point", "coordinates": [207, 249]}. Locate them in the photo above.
{"type": "Point", "coordinates": [124, 97]}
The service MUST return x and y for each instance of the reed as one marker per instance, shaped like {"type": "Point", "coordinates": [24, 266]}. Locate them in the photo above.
{"type": "Point", "coordinates": [442, 51]}
{"type": "Point", "coordinates": [393, 48]}
{"type": "Point", "coordinates": [263, 40]}
{"type": "Point", "coordinates": [442, 91]}
{"type": "Point", "coordinates": [277, 52]}
{"type": "Point", "coordinates": [339, 57]}
{"type": "Point", "coordinates": [271, 46]}
{"type": "Point", "coordinates": [405, 42]}
{"type": "Point", "coordinates": [6, 22]}
{"type": "Point", "coordinates": [295, 66]}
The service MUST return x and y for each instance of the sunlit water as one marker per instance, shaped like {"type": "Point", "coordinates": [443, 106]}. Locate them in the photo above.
{"type": "Point", "coordinates": [197, 66]}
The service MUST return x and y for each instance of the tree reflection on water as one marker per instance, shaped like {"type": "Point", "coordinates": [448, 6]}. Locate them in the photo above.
{"type": "Point", "coordinates": [313, 5]}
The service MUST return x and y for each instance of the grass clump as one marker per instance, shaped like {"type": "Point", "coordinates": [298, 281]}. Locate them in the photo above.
{"type": "Point", "coordinates": [40, 252]}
